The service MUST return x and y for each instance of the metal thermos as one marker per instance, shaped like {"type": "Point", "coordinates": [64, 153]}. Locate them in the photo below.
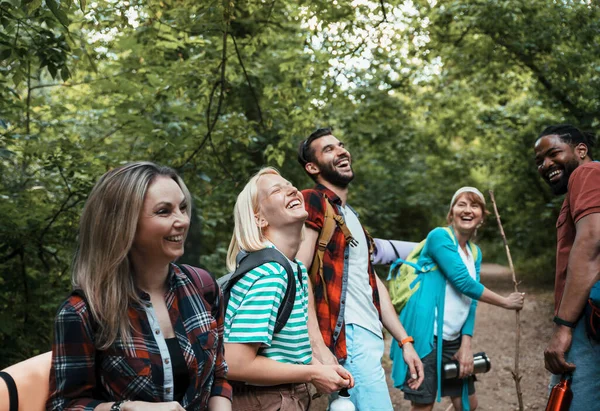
{"type": "Point", "coordinates": [342, 402]}
{"type": "Point", "coordinates": [481, 362]}
{"type": "Point", "coordinates": [561, 395]}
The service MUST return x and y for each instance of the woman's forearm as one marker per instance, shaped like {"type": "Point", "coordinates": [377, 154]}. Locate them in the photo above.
{"type": "Point", "coordinates": [490, 297]}
{"type": "Point", "coordinates": [218, 403]}
{"type": "Point", "coordinates": [245, 365]}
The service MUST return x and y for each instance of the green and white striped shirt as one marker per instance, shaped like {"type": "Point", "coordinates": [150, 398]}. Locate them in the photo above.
{"type": "Point", "coordinates": [252, 311]}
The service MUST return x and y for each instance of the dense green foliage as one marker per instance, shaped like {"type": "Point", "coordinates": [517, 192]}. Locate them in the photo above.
{"type": "Point", "coordinates": [428, 95]}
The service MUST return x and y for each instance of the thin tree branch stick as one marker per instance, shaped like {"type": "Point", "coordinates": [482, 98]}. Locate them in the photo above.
{"type": "Point", "coordinates": [515, 374]}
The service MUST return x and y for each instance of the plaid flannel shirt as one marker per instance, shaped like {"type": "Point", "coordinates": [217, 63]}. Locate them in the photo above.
{"type": "Point", "coordinates": [83, 377]}
{"type": "Point", "coordinates": [335, 272]}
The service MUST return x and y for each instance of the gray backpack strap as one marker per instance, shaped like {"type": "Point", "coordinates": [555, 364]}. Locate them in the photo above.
{"type": "Point", "coordinates": [249, 261]}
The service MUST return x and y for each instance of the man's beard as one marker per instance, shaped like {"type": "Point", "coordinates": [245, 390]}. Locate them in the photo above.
{"type": "Point", "coordinates": [330, 174]}
{"type": "Point", "coordinates": [562, 185]}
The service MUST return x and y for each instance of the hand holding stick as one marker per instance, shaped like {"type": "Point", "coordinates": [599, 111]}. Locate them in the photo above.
{"type": "Point", "coordinates": [515, 373]}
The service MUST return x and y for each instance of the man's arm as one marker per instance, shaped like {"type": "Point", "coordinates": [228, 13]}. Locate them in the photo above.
{"type": "Point", "coordinates": [392, 323]}
{"type": "Point", "coordinates": [583, 271]}
{"type": "Point", "coordinates": [305, 255]}
{"type": "Point", "coordinates": [306, 252]}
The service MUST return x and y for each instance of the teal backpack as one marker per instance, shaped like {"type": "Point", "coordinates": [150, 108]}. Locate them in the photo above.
{"type": "Point", "coordinates": [403, 273]}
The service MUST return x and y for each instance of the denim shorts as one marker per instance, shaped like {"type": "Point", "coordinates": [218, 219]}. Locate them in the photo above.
{"type": "Point", "coordinates": [365, 350]}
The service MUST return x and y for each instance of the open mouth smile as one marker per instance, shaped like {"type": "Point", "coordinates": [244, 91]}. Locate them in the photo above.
{"type": "Point", "coordinates": [294, 204]}
{"type": "Point", "coordinates": [175, 238]}
{"type": "Point", "coordinates": [343, 163]}
{"type": "Point", "coordinates": [554, 175]}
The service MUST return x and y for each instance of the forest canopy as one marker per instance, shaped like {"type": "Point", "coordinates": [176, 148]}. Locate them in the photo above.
{"type": "Point", "coordinates": [428, 96]}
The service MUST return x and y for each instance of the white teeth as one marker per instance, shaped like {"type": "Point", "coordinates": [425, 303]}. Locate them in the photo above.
{"type": "Point", "coordinates": [554, 173]}
{"type": "Point", "coordinates": [175, 238]}
{"type": "Point", "coordinates": [293, 204]}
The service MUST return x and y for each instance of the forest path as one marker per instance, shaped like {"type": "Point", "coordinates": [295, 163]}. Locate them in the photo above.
{"type": "Point", "coordinates": [495, 335]}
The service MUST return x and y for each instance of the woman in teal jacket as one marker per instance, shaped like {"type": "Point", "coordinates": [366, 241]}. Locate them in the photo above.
{"type": "Point", "coordinates": [444, 304]}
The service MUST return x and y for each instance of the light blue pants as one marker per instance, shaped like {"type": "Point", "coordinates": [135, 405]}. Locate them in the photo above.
{"type": "Point", "coordinates": [365, 350]}
{"type": "Point", "coordinates": [585, 354]}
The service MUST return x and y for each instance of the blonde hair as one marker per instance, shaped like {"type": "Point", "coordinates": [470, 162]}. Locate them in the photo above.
{"type": "Point", "coordinates": [101, 267]}
{"type": "Point", "coordinates": [247, 235]}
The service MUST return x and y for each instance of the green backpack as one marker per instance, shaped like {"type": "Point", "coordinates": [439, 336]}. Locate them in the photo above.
{"type": "Point", "coordinates": [403, 273]}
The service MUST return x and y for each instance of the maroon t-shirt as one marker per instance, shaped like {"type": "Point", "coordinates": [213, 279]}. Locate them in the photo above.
{"type": "Point", "coordinates": [583, 198]}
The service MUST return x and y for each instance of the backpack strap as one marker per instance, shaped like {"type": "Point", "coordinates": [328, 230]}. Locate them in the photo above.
{"type": "Point", "coordinates": [249, 261]}
{"type": "Point", "coordinates": [204, 282]}
{"type": "Point", "coordinates": [330, 220]}
{"type": "Point", "coordinates": [394, 248]}
{"type": "Point", "coordinates": [13, 394]}
{"type": "Point", "coordinates": [472, 245]}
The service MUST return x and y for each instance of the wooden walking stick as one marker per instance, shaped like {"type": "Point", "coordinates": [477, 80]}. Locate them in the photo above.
{"type": "Point", "coordinates": [515, 373]}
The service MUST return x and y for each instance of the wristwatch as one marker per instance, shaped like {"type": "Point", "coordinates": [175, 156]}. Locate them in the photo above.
{"type": "Point", "coordinates": [117, 405]}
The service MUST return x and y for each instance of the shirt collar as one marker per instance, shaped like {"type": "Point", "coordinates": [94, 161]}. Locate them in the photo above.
{"type": "Point", "coordinates": [333, 197]}
{"type": "Point", "coordinates": [174, 271]}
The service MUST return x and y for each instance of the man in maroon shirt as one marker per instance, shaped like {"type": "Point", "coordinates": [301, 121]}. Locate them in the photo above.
{"type": "Point", "coordinates": [563, 156]}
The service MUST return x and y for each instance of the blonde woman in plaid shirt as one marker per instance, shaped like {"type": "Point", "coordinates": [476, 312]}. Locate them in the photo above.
{"type": "Point", "coordinates": [139, 335]}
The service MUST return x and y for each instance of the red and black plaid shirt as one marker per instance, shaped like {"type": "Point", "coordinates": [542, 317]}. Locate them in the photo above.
{"type": "Point", "coordinates": [335, 272]}
{"type": "Point", "coordinates": [83, 377]}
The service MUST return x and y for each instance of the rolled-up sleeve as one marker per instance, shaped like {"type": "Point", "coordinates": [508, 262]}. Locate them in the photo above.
{"type": "Point", "coordinates": [314, 202]}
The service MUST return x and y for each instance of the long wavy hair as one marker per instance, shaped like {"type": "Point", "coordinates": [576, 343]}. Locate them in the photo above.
{"type": "Point", "coordinates": [247, 235]}
{"type": "Point", "coordinates": [102, 267]}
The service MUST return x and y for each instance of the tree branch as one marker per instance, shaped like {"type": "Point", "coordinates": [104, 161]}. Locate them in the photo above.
{"type": "Point", "coordinates": [252, 91]}
{"type": "Point", "coordinates": [211, 124]}
{"type": "Point", "coordinates": [581, 115]}
{"type": "Point", "coordinates": [80, 82]}
{"type": "Point", "coordinates": [63, 207]}
{"type": "Point", "coordinates": [16, 252]}
{"type": "Point", "coordinates": [516, 376]}
{"type": "Point", "coordinates": [383, 10]}
{"type": "Point", "coordinates": [28, 101]}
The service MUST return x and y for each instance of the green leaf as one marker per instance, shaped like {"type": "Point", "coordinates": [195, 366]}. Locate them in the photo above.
{"type": "Point", "coordinates": [60, 14]}
{"type": "Point", "coordinates": [52, 69]}
{"type": "Point", "coordinates": [5, 153]}
{"type": "Point", "coordinates": [32, 6]}
{"type": "Point", "coordinates": [65, 74]}
{"type": "Point", "coordinates": [5, 53]}
{"type": "Point", "coordinates": [82, 4]}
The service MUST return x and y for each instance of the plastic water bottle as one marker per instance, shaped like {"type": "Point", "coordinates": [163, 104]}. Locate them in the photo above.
{"type": "Point", "coordinates": [561, 395]}
{"type": "Point", "coordinates": [342, 403]}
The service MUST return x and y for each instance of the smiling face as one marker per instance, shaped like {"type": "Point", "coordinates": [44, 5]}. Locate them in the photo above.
{"type": "Point", "coordinates": [163, 223]}
{"type": "Point", "coordinates": [333, 162]}
{"type": "Point", "coordinates": [279, 203]}
{"type": "Point", "coordinates": [466, 214]}
{"type": "Point", "coordinates": [556, 160]}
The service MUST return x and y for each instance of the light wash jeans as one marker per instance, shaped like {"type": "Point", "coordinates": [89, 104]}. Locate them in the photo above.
{"type": "Point", "coordinates": [585, 354]}
{"type": "Point", "coordinates": [365, 350]}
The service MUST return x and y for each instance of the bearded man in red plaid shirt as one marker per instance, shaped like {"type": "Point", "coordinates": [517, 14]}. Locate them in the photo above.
{"type": "Point", "coordinates": [347, 303]}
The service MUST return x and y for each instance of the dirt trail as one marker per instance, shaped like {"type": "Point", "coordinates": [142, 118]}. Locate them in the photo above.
{"type": "Point", "coordinates": [495, 335]}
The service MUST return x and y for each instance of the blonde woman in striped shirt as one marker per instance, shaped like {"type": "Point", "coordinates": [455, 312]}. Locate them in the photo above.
{"type": "Point", "coordinates": [270, 371]}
